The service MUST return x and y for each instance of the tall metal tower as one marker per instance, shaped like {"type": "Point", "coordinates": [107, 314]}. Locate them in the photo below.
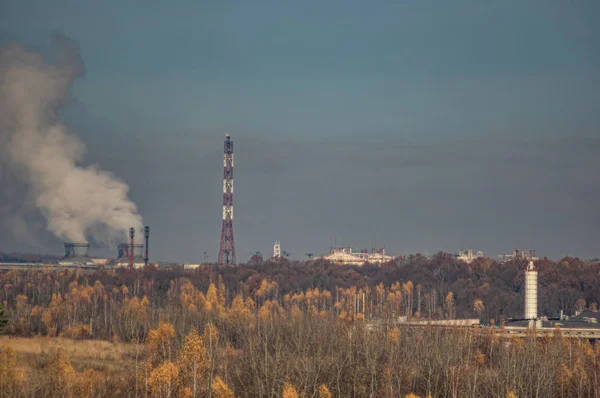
{"type": "Point", "coordinates": [131, 235]}
{"type": "Point", "coordinates": [227, 250]}
{"type": "Point", "coordinates": [147, 238]}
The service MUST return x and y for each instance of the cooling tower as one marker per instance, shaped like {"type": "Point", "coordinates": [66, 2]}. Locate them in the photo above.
{"type": "Point", "coordinates": [531, 291]}
{"type": "Point", "coordinates": [76, 253]}
{"type": "Point", "coordinates": [73, 250]}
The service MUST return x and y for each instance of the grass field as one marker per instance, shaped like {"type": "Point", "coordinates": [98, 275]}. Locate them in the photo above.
{"type": "Point", "coordinates": [102, 356]}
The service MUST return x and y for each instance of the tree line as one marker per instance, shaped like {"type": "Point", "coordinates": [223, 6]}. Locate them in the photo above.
{"type": "Point", "coordinates": [283, 328]}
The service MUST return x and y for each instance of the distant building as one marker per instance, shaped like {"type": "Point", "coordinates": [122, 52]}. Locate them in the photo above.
{"type": "Point", "coordinates": [277, 249]}
{"type": "Point", "coordinates": [518, 254]}
{"type": "Point", "coordinates": [191, 266]}
{"type": "Point", "coordinates": [345, 256]}
{"type": "Point", "coordinates": [585, 324]}
{"type": "Point", "coordinates": [468, 256]}
{"type": "Point", "coordinates": [100, 261]}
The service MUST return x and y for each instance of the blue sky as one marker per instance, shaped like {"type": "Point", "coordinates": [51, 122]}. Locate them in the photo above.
{"type": "Point", "coordinates": [420, 125]}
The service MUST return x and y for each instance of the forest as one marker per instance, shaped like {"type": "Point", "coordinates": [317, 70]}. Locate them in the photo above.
{"type": "Point", "coordinates": [291, 329]}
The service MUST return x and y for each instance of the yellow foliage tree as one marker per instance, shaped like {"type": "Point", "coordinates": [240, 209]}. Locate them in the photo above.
{"type": "Point", "coordinates": [263, 289]}
{"type": "Point", "coordinates": [220, 389]}
{"type": "Point", "coordinates": [394, 335]}
{"type": "Point", "coordinates": [479, 357]}
{"type": "Point", "coordinates": [450, 305]}
{"type": "Point", "coordinates": [289, 391]}
{"type": "Point", "coordinates": [411, 395]}
{"type": "Point", "coordinates": [511, 394]}
{"type": "Point", "coordinates": [264, 312]}
{"type": "Point", "coordinates": [238, 310]}
{"type": "Point", "coordinates": [324, 391]}
{"type": "Point", "coordinates": [478, 306]}
{"type": "Point", "coordinates": [163, 380]}
{"type": "Point", "coordinates": [296, 312]}
{"type": "Point", "coordinates": [211, 340]}
{"type": "Point", "coordinates": [193, 362]}
{"type": "Point", "coordinates": [250, 304]}
{"type": "Point", "coordinates": [160, 341]}
{"type": "Point", "coordinates": [211, 296]}
{"type": "Point", "coordinates": [62, 373]}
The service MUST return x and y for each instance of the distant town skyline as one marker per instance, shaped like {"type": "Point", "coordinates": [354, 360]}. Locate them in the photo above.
{"type": "Point", "coordinates": [417, 126]}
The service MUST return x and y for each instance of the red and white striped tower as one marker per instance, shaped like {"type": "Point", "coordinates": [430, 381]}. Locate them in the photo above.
{"type": "Point", "coordinates": [131, 235]}
{"type": "Point", "coordinates": [227, 250]}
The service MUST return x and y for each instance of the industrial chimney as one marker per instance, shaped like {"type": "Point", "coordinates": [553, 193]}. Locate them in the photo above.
{"type": "Point", "coordinates": [131, 236]}
{"type": "Point", "coordinates": [531, 291]}
{"type": "Point", "coordinates": [146, 239]}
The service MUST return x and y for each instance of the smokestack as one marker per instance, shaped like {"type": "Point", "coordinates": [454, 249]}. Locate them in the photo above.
{"type": "Point", "coordinates": [531, 291]}
{"type": "Point", "coordinates": [131, 235]}
{"type": "Point", "coordinates": [146, 237]}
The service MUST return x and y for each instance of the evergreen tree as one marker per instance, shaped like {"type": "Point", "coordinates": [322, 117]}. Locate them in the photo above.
{"type": "Point", "coordinates": [3, 318]}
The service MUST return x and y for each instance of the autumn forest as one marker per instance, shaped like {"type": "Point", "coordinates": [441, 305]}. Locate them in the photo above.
{"type": "Point", "coordinates": [293, 329]}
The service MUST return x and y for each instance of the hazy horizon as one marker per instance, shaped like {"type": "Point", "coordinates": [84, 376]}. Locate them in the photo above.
{"type": "Point", "coordinates": [411, 126]}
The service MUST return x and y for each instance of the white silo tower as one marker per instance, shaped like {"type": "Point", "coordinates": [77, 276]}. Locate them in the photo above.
{"type": "Point", "coordinates": [531, 291]}
{"type": "Point", "coordinates": [277, 250]}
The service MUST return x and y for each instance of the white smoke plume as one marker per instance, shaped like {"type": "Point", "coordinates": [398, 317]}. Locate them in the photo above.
{"type": "Point", "coordinates": [78, 201]}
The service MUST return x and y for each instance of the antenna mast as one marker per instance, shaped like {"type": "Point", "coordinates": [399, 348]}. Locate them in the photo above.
{"type": "Point", "coordinates": [227, 249]}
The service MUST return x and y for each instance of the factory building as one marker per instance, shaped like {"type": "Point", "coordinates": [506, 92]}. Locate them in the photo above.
{"type": "Point", "coordinates": [468, 256]}
{"type": "Point", "coordinates": [518, 254]}
{"type": "Point", "coordinates": [344, 255]}
{"type": "Point", "coordinates": [77, 256]}
{"type": "Point", "coordinates": [123, 255]}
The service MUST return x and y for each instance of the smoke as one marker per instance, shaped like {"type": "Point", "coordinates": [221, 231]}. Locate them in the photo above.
{"type": "Point", "coordinates": [77, 201]}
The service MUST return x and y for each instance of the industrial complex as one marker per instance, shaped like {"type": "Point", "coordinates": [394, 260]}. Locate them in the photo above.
{"type": "Point", "coordinates": [77, 256]}
{"type": "Point", "coordinates": [344, 255]}
{"type": "Point", "coordinates": [136, 255]}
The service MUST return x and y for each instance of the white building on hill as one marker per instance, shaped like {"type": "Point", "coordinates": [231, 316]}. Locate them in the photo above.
{"type": "Point", "coordinates": [468, 256]}
{"type": "Point", "coordinates": [345, 256]}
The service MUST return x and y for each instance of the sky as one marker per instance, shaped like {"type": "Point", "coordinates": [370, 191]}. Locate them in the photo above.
{"type": "Point", "coordinates": [415, 125]}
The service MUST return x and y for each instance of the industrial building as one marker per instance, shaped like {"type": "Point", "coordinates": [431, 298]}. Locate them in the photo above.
{"type": "Point", "coordinates": [468, 256]}
{"type": "Point", "coordinates": [123, 255]}
{"type": "Point", "coordinates": [77, 256]}
{"type": "Point", "coordinates": [344, 255]}
{"type": "Point", "coordinates": [583, 325]}
{"type": "Point", "coordinates": [518, 254]}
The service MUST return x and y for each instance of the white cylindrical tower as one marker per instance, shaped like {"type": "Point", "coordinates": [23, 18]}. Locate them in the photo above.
{"type": "Point", "coordinates": [277, 249]}
{"type": "Point", "coordinates": [531, 291]}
